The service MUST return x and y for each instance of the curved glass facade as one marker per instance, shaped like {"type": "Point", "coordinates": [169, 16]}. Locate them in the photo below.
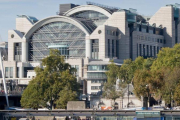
{"type": "Point", "coordinates": [66, 37]}
{"type": "Point", "coordinates": [97, 17]}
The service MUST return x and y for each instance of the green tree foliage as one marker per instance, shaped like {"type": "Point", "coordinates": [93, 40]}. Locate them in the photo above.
{"type": "Point", "coordinates": [177, 94]}
{"type": "Point", "coordinates": [129, 67]}
{"type": "Point", "coordinates": [110, 91]}
{"type": "Point", "coordinates": [141, 80]}
{"type": "Point", "coordinates": [31, 98]}
{"type": "Point", "coordinates": [109, 88]}
{"type": "Point", "coordinates": [171, 79]}
{"type": "Point", "coordinates": [112, 72]}
{"type": "Point", "coordinates": [126, 71]}
{"type": "Point", "coordinates": [167, 57]}
{"type": "Point", "coordinates": [65, 95]}
{"type": "Point", "coordinates": [52, 79]}
{"type": "Point", "coordinates": [165, 71]}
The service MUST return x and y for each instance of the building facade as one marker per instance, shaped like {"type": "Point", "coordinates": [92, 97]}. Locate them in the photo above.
{"type": "Point", "coordinates": [89, 36]}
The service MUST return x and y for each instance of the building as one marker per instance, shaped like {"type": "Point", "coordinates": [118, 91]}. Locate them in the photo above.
{"type": "Point", "coordinates": [89, 36]}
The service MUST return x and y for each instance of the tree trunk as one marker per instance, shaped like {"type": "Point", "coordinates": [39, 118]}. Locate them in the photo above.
{"type": "Point", "coordinates": [114, 103]}
{"type": "Point", "coordinates": [51, 104]}
{"type": "Point", "coordinates": [128, 97]}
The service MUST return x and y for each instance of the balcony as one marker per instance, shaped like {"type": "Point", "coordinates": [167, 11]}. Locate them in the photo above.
{"type": "Point", "coordinates": [11, 93]}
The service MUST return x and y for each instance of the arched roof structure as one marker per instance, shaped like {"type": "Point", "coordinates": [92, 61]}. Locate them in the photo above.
{"type": "Point", "coordinates": [87, 8]}
{"type": "Point", "coordinates": [48, 20]}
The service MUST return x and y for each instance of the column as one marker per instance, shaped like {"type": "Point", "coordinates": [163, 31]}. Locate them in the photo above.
{"type": "Point", "coordinates": [21, 72]}
{"type": "Point", "coordinates": [88, 48]}
{"type": "Point", "coordinates": [84, 87]}
{"type": "Point", "coordinates": [24, 51]}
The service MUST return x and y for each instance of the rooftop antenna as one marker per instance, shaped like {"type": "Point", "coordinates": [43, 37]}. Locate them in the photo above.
{"type": "Point", "coordinates": [2, 49]}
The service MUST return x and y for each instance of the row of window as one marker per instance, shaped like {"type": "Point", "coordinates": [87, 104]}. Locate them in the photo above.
{"type": "Point", "coordinates": [95, 49]}
{"type": "Point", "coordinates": [96, 87]}
{"type": "Point", "coordinates": [17, 51]}
{"type": "Point", "coordinates": [115, 50]}
{"type": "Point", "coordinates": [147, 50]}
{"type": "Point", "coordinates": [101, 75]}
{"type": "Point", "coordinates": [158, 40]}
{"type": "Point", "coordinates": [97, 68]}
{"type": "Point", "coordinates": [147, 29]}
{"type": "Point", "coordinates": [98, 81]}
{"type": "Point", "coordinates": [110, 32]}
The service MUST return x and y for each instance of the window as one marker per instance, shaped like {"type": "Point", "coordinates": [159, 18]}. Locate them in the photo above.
{"type": "Point", "coordinates": [164, 41]}
{"type": "Point", "coordinates": [154, 51]}
{"type": "Point", "coordinates": [137, 49]}
{"type": "Point", "coordinates": [117, 48]}
{"type": "Point", "coordinates": [94, 93]}
{"type": "Point", "coordinates": [160, 40]}
{"type": "Point", "coordinates": [77, 70]}
{"type": "Point", "coordinates": [117, 33]}
{"type": "Point", "coordinates": [9, 72]}
{"type": "Point", "coordinates": [101, 75]}
{"type": "Point", "coordinates": [113, 53]}
{"type": "Point", "coordinates": [147, 48]}
{"type": "Point", "coordinates": [157, 50]}
{"type": "Point", "coordinates": [140, 50]}
{"type": "Point", "coordinates": [95, 87]}
{"type": "Point", "coordinates": [95, 49]}
{"type": "Point", "coordinates": [98, 81]}
{"type": "Point", "coordinates": [97, 67]}
{"type": "Point", "coordinates": [17, 51]}
{"type": "Point", "coordinates": [151, 51]}
{"type": "Point", "coordinates": [144, 47]}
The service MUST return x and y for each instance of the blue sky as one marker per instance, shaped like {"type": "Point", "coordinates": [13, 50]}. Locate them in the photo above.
{"type": "Point", "coordinates": [9, 9]}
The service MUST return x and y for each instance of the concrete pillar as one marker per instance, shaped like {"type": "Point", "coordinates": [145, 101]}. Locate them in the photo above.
{"type": "Point", "coordinates": [88, 48]}
{"type": "Point", "coordinates": [24, 51]}
{"type": "Point", "coordinates": [21, 72]}
{"type": "Point", "coordinates": [15, 70]}
{"type": "Point", "coordinates": [84, 87]}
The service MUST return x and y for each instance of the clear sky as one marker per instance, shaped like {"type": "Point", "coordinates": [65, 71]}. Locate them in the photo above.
{"type": "Point", "coordinates": [40, 9]}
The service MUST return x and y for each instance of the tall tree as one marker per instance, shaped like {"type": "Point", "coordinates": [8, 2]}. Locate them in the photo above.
{"type": "Point", "coordinates": [141, 80]}
{"type": "Point", "coordinates": [52, 79]}
{"type": "Point", "coordinates": [110, 92]}
{"type": "Point", "coordinates": [171, 79]}
{"type": "Point", "coordinates": [112, 72]}
{"type": "Point", "coordinates": [167, 57]}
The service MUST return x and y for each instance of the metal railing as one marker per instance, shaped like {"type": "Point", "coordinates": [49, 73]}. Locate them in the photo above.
{"type": "Point", "coordinates": [12, 93]}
